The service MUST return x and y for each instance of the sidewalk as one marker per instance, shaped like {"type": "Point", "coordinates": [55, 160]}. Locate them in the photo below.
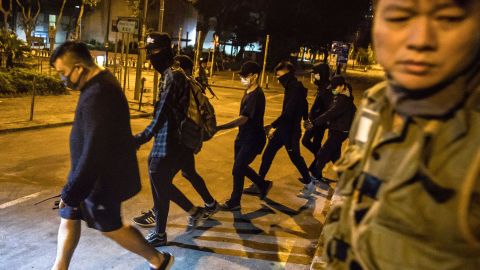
{"type": "Point", "coordinates": [50, 111]}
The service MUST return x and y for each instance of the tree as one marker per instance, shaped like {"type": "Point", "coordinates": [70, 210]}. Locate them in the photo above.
{"type": "Point", "coordinates": [29, 18]}
{"type": "Point", "coordinates": [57, 25]}
{"type": "Point", "coordinates": [88, 3]}
{"type": "Point", "coordinates": [6, 13]}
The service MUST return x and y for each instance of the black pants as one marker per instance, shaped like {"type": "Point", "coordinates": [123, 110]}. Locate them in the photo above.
{"type": "Point", "coordinates": [293, 150]}
{"type": "Point", "coordinates": [245, 154]}
{"type": "Point", "coordinates": [330, 151]}
{"type": "Point", "coordinates": [312, 140]}
{"type": "Point", "coordinates": [162, 171]}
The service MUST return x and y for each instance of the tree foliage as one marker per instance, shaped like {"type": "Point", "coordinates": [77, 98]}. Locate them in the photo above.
{"type": "Point", "coordinates": [291, 24]}
{"type": "Point", "coordinates": [30, 11]}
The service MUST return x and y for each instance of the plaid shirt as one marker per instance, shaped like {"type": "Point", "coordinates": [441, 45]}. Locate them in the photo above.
{"type": "Point", "coordinates": [172, 87]}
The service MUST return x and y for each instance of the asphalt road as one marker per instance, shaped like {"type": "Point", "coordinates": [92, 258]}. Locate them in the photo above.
{"type": "Point", "coordinates": [279, 233]}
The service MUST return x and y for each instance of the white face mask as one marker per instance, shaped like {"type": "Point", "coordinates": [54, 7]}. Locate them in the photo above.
{"type": "Point", "coordinates": [245, 82]}
{"type": "Point", "coordinates": [317, 77]}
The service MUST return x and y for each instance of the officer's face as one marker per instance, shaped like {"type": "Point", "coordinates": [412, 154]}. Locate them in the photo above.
{"type": "Point", "coordinates": [423, 43]}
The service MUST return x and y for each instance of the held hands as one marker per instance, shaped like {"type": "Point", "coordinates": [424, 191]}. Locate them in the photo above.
{"type": "Point", "coordinates": [307, 124]}
{"type": "Point", "coordinates": [268, 129]}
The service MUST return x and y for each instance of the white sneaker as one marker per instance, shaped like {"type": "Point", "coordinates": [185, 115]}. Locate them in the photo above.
{"type": "Point", "coordinates": [307, 190]}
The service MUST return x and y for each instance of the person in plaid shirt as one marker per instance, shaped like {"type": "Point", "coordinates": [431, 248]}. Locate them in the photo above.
{"type": "Point", "coordinates": [168, 155]}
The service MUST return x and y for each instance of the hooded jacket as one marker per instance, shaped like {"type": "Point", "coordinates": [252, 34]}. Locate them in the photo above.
{"type": "Point", "coordinates": [295, 105]}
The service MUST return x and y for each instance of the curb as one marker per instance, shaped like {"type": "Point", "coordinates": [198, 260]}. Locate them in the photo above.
{"type": "Point", "coordinates": [224, 86]}
{"type": "Point", "coordinates": [61, 124]}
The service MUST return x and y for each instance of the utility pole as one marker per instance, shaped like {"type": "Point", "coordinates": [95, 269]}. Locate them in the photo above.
{"type": "Point", "coordinates": [107, 45]}
{"type": "Point", "coordinates": [265, 60]}
{"type": "Point", "coordinates": [179, 44]}
{"type": "Point", "coordinates": [161, 13]}
{"type": "Point", "coordinates": [141, 53]}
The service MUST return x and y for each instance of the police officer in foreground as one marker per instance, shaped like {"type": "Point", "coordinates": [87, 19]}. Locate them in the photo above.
{"type": "Point", "coordinates": [410, 179]}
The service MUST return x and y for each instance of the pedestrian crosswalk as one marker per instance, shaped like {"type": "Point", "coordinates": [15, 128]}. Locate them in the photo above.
{"type": "Point", "coordinates": [286, 233]}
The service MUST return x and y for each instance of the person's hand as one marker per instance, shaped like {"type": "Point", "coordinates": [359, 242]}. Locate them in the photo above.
{"type": "Point", "coordinates": [61, 204]}
{"type": "Point", "coordinates": [307, 125]}
{"type": "Point", "coordinates": [267, 129]}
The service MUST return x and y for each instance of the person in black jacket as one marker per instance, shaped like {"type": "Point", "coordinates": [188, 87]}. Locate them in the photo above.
{"type": "Point", "coordinates": [104, 170]}
{"type": "Point", "coordinates": [339, 118]}
{"type": "Point", "coordinates": [288, 126]}
{"type": "Point", "coordinates": [312, 139]}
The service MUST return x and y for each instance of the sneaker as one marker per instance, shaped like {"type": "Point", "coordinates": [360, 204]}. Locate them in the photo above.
{"type": "Point", "coordinates": [263, 194]}
{"type": "Point", "coordinates": [210, 211]}
{"type": "Point", "coordinates": [147, 219]}
{"type": "Point", "coordinates": [252, 189]}
{"type": "Point", "coordinates": [194, 219]}
{"type": "Point", "coordinates": [156, 239]}
{"type": "Point", "coordinates": [307, 190]}
{"type": "Point", "coordinates": [229, 206]}
{"type": "Point", "coordinates": [167, 262]}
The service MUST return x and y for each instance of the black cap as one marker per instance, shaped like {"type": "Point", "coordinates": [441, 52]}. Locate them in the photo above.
{"type": "Point", "coordinates": [337, 81]}
{"type": "Point", "coordinates": [250, 67]}
{"type": "Point", "coordinates": [157, 40]}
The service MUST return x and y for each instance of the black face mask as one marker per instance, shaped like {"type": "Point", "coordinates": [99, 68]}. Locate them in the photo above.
{"type": "Point", "coordinates": [68, 83]}
{"type": "Point", "coordinates": [162, 60]}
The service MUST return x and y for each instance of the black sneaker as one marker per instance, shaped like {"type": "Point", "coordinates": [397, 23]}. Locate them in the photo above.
{"type": "Point", "coordinates": [210, 211]}
{"type": "Point", "coordinates": [156, 239]}
{"type": "Point", "coordinates": [229, 206]}
{"type": "Point", "coordinates": [167, 261]}
{"type": "Point", "coordinates": [194, 219]}
{"type": "Point", "coordinates": [252, 190]}
{"type": "Point", "coordinates": [147, 219]}
{"type": "Point", "coordinates": [264, 193]}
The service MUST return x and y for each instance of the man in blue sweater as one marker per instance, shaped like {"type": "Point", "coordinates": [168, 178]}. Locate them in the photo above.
{"type": "Point", "coordinates": [104, 169]}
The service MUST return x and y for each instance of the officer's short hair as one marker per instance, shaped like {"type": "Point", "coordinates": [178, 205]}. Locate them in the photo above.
{"type": "Point", "coordinates": [285, 65]}
{"type": "Point", "coordinates": [462, 3]}
{"type": "Point", "coordinates": [77, 51]}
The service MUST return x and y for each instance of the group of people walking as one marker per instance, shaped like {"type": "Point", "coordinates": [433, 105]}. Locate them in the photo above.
{"type": "Point", "coordinates": [408, 179]}
{"type": "Point", "coordinates": [98, 183]}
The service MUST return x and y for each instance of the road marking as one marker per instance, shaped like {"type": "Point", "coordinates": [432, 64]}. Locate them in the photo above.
{"type": "Point", "coordinates": [19, 200]}
{"type": "Point", "coordinates": [274, 96]}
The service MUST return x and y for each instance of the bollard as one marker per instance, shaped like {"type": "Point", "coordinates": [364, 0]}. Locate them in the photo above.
{"type": "Point", "coordinates": [233, 77]}
{"type": "Point", "coordinates": [32, 105]}
{"type": "Point", "coordinates": [141, 93]}
{"type": "Point", "coordinates": [266, 84]}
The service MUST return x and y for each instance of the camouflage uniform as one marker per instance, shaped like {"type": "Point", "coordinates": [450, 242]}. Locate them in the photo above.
{"type": "Point", "coordinates": [402, 180]}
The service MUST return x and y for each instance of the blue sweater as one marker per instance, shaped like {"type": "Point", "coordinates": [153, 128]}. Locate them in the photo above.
{"type": "Point", "coordinates": [103, 156]}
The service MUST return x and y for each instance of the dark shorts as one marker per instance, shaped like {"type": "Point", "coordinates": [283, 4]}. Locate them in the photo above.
{"type": "Point", "coordinates": [104, 217]}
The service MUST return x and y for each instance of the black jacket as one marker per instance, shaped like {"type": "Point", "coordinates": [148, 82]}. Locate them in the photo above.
{"type": "Point", "coordinates": [295, 105]}
{"type": "Point", "coordinates": [103, 156]}
{"type": "Point", "coordinates": [323, 100]}
{"type": "Point", "coordinates": [340, 114]}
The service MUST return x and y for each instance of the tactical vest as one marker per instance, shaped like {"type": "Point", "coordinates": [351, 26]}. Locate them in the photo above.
{"type": "Point", "coordinates": [410, 189]}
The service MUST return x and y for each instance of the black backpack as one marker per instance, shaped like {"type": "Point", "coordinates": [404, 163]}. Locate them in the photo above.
{"type": "Point", "coordinates": [200, 123]}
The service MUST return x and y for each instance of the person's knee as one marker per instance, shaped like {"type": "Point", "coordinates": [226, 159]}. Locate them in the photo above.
{"type": "Point", "coordinates": [70, 224]}
{"type": "Point", "coordinates": [238, 170]}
